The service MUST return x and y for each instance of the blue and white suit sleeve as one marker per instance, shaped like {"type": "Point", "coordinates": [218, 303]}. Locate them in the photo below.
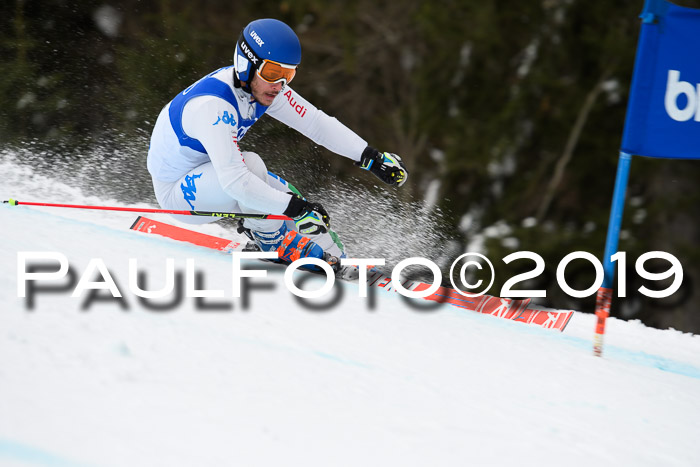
{"type": "Point", "coordinates": [296, 112]}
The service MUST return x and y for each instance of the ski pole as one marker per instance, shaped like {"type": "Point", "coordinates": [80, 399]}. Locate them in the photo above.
{"type": "Point", "coordinates": [233, 215]}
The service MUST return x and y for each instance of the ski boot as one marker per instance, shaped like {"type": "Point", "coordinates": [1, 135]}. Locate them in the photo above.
{"type": "Point", "coordinates": [251, 245]}
{"type": "Point", "coordinates": [290, 246]}
{"type": "Point", "coordinates": [296, 246]}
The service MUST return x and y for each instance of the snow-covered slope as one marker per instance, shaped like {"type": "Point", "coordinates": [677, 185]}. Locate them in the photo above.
{"type": "Point", "coordinates": [277, 383]}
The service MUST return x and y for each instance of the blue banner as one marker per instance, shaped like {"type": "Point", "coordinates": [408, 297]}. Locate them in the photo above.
{"type": "Point", "coordinates": [663, 112]}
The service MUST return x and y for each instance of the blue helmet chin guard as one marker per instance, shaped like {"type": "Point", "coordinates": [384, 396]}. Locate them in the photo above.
{"type": "Point", "coordinates": [265, 39]}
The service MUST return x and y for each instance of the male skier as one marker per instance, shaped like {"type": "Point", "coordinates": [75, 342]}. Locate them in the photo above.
{"type": "Point", "coordinates": [196, 164]}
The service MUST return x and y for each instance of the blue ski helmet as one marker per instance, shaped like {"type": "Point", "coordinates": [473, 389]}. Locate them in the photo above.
{"type": "Point", "coordinates": [265, 39]}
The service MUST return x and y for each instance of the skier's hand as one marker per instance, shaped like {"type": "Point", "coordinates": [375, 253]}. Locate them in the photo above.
{"type": "Point", "coordinates": [388, 167]}
{"type": "Point", "coordinates": [310, 218]}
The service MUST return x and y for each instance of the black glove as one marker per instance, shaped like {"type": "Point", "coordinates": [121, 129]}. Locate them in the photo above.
{"type": "Point", "coordinates": [388, 167]}
{"type": "Point", "coordinates": [310, 218]}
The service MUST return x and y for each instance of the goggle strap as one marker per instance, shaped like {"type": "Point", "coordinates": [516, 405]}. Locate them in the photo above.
{"type": "Point", "coordinates": [253, 65]}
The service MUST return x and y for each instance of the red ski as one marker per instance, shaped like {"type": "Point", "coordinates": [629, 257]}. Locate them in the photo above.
{"type": "Point", "coordinates": [515, 310]}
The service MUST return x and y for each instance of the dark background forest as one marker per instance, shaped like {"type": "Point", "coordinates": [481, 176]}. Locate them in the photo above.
{"type": "Point", "coordinates": [509, 114]}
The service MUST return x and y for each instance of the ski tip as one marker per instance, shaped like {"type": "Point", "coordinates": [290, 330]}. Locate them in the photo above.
{"type": "Point", "coordinates": [133, 226]}
{"type": "Point", "coordinates": [11, 202]}
{"type": "Point", "coordinates": [566, 321]}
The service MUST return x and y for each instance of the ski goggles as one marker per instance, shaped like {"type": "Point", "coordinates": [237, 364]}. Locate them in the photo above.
{"type": "Point", "coordinates": [274, 72]}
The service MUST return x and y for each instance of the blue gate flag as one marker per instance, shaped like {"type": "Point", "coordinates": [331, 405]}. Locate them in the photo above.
{"type": "Point", "coordinates": [663, 112]}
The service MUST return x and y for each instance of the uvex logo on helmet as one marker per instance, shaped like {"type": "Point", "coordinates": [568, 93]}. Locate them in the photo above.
{"type": "Point", "coordinates": [249, 53]}
{"type": "Point", "coordinates": [258, 40]}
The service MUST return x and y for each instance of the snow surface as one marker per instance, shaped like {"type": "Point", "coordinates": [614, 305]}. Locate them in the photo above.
{"type": "Point", "coordinates": [281, 384]}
